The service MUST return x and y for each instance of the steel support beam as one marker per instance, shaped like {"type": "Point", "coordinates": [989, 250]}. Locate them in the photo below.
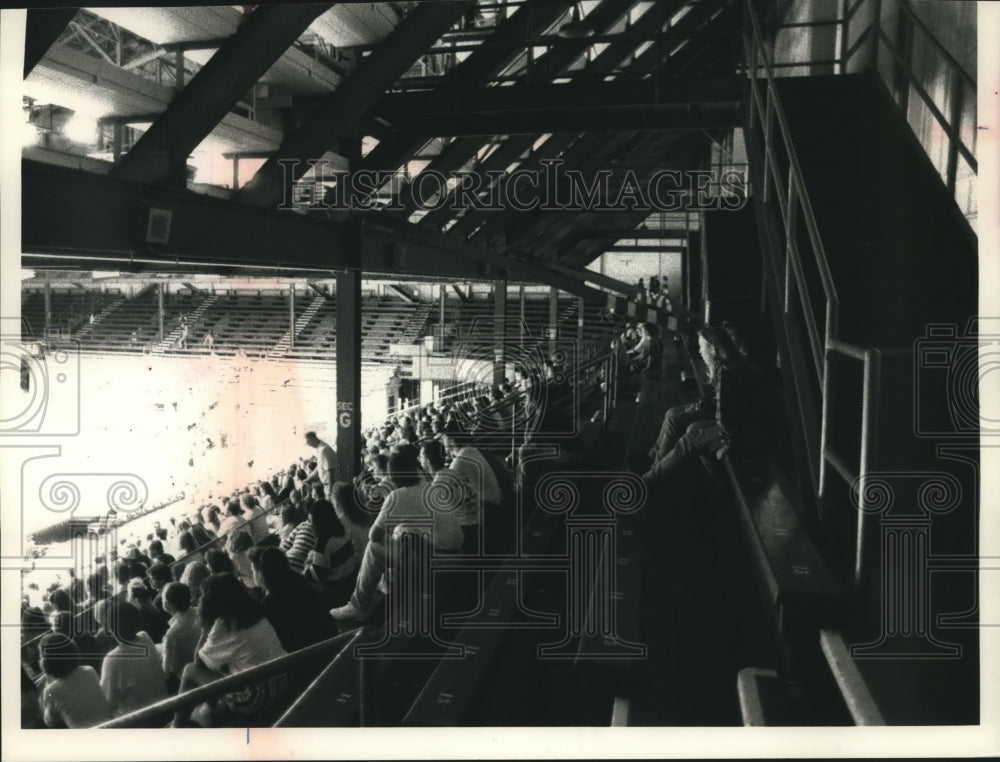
{"type": "Point", "coordinates": [673, 116]}
{"type": "Point", "coordinates": [553, 62]}
{"type": "Point", "coordinates": [338, 113]}
{"type": "Point", "coordinates": [73, 219]}
{"type": "Point", "coordinates": [457, 102]}
{"type": "Point", "coordinates": [391, 154]}
{"type": "Point", "coordinates": [161, 153]}
{"type": "Point", "coordinates": [42, 28]}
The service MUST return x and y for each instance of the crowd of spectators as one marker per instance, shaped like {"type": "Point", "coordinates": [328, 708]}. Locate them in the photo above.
{"type": "Point", "coordinates": [239, 581]}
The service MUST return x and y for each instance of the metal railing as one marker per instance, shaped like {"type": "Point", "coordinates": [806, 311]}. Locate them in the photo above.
{"type": "Point", "coordinates": [787, 187]}
{"type": "Point", "coordinates": [305, 657]}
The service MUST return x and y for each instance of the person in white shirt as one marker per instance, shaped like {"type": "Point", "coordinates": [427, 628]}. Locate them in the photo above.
{"type": "Point", "coordinates": [71, 695]}
{"type": "Point", "coordinates": [326, 461]}
{"type": "Point", "coordinates": [239, 636]}
{"type": "Point", "coordinates": [481, 484]}
{"type": "Point", "coordinates": [408, 503]}
{"type": "Point", "coordinates": [132, 675]}
{"type": "Point", "coordinates": [183, 634]}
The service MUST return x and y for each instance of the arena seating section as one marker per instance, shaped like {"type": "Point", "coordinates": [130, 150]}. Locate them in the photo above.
{"type": "Point", "coordinates": [258, 324]}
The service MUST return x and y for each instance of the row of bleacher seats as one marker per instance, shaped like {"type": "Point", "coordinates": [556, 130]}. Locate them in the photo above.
{"type": "Point", "coordinates": [258, 324]}
{"type": "Point", "coordinates": [71, 310]}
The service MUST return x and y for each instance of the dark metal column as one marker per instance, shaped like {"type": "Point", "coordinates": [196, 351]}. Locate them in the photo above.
{"type": "Point", "coordinates": [523, 326]}
{"type": "Point", "coordinates": [291, 317]}
{"type": "Point", "coordinates": [499, 331]}
{"type": "Point", "coordinates": [579, 323]}
{"type": "Point", "coordinates": [444, 289]}
{"type": "Point", "coordinates": [553, 318]}
{"type": "Point", "coordinates": [48, 309]}
{"type": "Point", "coordinates": [349, 346]}
{"type": "Point", "coordinates": [348, 372]}
{"type": "Point", "coordinates": [159, 308]}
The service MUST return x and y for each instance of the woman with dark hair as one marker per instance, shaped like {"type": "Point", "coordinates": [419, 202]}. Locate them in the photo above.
{"type": "Point", "coordinates": [299, 543]}
{"type": "Point", "coordinates": [333, 556]}
{"type": "Point", "coordinates": [286, 523]}
{"type": "Point", "coordinates": [71, 696]}
{"type": "Point", "coordinates": [239, 543]}
{"type": "Point", "coordinates": [189, 548]}
{"type": "Point", "coordinates": [357, 521]}
{"type": "Point", "coordinates": [294, 608]}
{"type": "Point", "coordinates": [213, 524]}
{"type": "Point", "coordinates": [238, 637]}
{"type": "Point", "coordinates": [132, 674]}
{"type": "Point", "coordinates": [218, 562]}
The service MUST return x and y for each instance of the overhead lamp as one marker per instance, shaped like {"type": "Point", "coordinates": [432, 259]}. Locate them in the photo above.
{"type": "Point", "coordinates": [576, 28]}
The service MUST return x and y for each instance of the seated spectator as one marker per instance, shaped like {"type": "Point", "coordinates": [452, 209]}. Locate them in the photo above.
{"type": "Point", "coordinates": [131, 675]}
{"type": "Point", "coordinates": [194, 575]}
{"type": "Point", "coordinates": [290, 519]}
{"type": "Point", "coordinates": [152, 620]}
{"type": "Point", "coordinates": [256, 518]}
{"type": "Point", "coordinates": [239, 543]}
{"type": "Point", "coordinates": [453, 505]}
{"type": "Point", "coordinates": [238, 637]}
{"type": "Point", "coordinates": [743, 415]}
{"type": "Point", "coordinates": [157, 555]}
{"type": "Point", "coordinates": [202, 536]}
{"type": "Point", "coordinates": [91, 650]}
{"type": "Point", "coordinates": [234, 518]}
{"type": "Point", "coordinates": [218, 562]}
{"type": "Point", "coordinates": [71, 695]}
{"type": "Point", "coordinates": [183, 633]}
{"type": "Point", "coordinates": [189, 548]}
{"type": "Point", "coordinates": [407, 503]}
{"type": "Point", "coordinates": [294, 608]}
{"type": "Point", "coordinates": [333, 557]}
{"type": "Point", "coordinates": [268, 498]}
{"type": "Point", "coordinates": [678, 418]}
{"type": "Point", "coordinates": [479, 478]}
{"type": "Point", "coordinates": [298, 544]}
{"type": "Point", "coordinates": [357, 522]}
{"type": "Point", "coordinates": [213, 522]}
{"type": "Point", "coordinates": [159, 576]}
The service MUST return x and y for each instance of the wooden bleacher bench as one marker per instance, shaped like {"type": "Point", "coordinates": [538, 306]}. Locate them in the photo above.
{"type": "Point", "coordinates": [801, 587]}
